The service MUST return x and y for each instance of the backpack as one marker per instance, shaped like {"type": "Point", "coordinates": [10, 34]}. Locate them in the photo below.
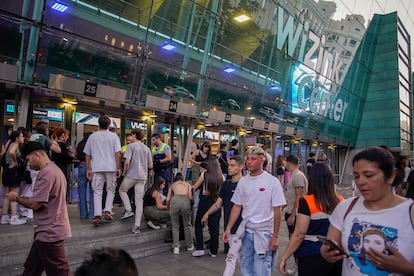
{"type": "Point", "coordinates": [411, 210]}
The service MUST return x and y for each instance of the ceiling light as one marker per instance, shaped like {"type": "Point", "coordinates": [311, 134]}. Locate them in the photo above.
{"type": "Point", "coordinates": [168, 46]}
{"type": "Point", "coordinates": [59, 7]}
{"type": "Point", "coordinates": [242, 18]}
{"type": "Point", "coordinates": [229, 69]}
{"type": "Point", "coordinates": [275, 86]}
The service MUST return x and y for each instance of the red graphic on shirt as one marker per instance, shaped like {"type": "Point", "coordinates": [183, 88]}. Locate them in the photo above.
{"type": "Point", "coordinates": [262, 189]}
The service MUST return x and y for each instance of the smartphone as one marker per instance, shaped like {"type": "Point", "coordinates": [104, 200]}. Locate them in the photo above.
{"type": "Point", "coordinates": [332, 245]}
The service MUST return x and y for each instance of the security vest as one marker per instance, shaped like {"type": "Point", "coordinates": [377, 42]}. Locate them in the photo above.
{"type": "Point", "coordinates": [318, 225]}
{"type": "Point", "coordinates": [160, 154]}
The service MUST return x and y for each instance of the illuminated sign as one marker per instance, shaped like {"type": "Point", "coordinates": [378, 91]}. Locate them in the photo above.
{"type": "Point", "coordinates": [315, 83]}
{"type": "Point", "coordinates": [10, 108]}
{"type": "Point", "coordinates": [327, 64]}
{"type": "Point", "coordinates": [48, 113]}
{"type": "Point", "coordinates": [131, 124]}
{"type": "Point", "coordinates": [313, 93]}
{"type": "Point", "coordinates": [92, 119]}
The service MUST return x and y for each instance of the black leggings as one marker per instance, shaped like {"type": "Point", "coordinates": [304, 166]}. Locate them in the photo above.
{"type": "Point", "coordinates": [213, 225]}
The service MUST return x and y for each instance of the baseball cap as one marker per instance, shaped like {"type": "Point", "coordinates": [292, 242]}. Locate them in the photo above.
{"type": "Point", "coordinates": [30, 147]}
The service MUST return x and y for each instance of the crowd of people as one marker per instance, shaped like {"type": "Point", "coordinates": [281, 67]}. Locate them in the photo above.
{"type": "Point", "coordinates": [372, 234]}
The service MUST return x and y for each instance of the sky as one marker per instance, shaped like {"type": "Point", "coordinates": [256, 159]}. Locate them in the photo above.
{"type": "Point", "coordinates": [368, 8]}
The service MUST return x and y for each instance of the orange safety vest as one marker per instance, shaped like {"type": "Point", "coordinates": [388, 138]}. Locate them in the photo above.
{"type": "Point", "coordinates": [313, 208]}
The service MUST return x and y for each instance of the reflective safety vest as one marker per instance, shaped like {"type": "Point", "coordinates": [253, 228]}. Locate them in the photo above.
{"type": "Point", "coordinates": [318, 225]}
{"type": "Point", "coordinates": [160, 154]}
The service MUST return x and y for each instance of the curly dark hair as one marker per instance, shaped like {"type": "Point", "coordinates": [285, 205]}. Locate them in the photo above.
{"type": "Point", "coordinates": [108, 261]}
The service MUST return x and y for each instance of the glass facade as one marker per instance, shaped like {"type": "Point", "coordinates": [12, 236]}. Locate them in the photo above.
{"type": "Point", "coordinates": [293, 65]}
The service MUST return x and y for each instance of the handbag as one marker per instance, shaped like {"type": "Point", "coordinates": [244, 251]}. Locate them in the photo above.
{"type": "Point", "coordinates": [24, 173]}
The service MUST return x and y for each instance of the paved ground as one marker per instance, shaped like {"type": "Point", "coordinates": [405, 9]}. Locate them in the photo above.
{"type": "Point", "coordinates": [185, 264]}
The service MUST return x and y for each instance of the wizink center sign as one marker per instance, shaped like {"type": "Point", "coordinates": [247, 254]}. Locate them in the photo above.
{"type": "Point", "coordinates": [317, 89]}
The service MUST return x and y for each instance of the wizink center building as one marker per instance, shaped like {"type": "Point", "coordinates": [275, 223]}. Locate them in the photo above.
{"type": "Point", "coordinates": [280, 73]}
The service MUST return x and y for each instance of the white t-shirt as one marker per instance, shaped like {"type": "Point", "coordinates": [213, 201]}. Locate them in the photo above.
{"type": "Point", "coordinates": [258, 195]}
{"type": "Point", "coordinates": [140, 156]}
{"type": "Point", "coordinates": [269, 163]}
{"type": "Point", "coordinates": [364, 228]}
{"type": "Point", "coordinates": [102, 146]}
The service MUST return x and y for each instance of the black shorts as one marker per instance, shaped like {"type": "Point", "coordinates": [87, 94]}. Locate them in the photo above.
{"type": "Point", "coordinates": [11, 177]}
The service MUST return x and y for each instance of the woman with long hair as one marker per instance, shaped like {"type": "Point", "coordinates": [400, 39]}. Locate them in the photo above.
{"type": "Point", "coordinates": [12, 176]}
{"type": "Point", "coordinates": [312, 220]}
{"type": "Point", "coordinates": [378, 217]}
{"type": "Point", "coordinates": [281, 170]}
{"type": "Point", "coordinates": [197, 157]}
{"type": "Point", "coordinates": [209, 184]}
{"type": "Point", "coordinates": [155, 211]}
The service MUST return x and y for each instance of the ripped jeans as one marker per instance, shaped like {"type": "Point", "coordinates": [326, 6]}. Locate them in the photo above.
{"type": "Point", "coordinates": [252, 264]}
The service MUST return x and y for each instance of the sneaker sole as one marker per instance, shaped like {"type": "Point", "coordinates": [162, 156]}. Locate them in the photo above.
{"type": "Point", "coordinates": [127, 217]}
{"type": "Point", "coordinates": [107, 215]}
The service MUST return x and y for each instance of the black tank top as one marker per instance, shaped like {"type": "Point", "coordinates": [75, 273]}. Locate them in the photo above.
{"type": "Point", "coordinates": [200, 158]}
{"type": "Point", "coordinates": [149, 200]}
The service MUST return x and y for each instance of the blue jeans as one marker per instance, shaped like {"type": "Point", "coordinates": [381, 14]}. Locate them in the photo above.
{"type": "Point", "coordinates": [83, 183]}
{"type": "Point", "coordinates": [251, 264]}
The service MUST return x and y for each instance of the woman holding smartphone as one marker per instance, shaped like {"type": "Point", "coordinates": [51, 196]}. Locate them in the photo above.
{"type": "Point", "coordinates": [375, 230]}
{"type": "Point", "coordinates": [311, 221]}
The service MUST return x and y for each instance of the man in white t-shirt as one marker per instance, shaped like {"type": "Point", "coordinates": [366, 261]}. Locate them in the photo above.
{"type": "Point", "coordinates": [259, 197]}
{"type": "Point", "coordinates": [103, 163]}
{"type": "Point", "coordinates": [138, 159]}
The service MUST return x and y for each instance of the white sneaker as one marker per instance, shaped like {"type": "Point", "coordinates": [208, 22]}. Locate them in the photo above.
{"type": "Point", "coordinates": [5, 219]}
{"type": "Point", "coordinates": [136, 230]}
{"type": "Point", "coordinates": [163, 226]}
{"type": "Point", "coordinates": [152, 225]}
{"type": "Point", "coordinates": [176, 250]}
{"type": "Point", "coordinates": [198, 253]}
{"type": "Point", "coordinates": [127, 214]}
{"type": "Point", "coordinates": [16, 221]}
{"type": "Point", "coordinates": [191, 248]}
{"type": "Point", "coordinates": [212, 255]}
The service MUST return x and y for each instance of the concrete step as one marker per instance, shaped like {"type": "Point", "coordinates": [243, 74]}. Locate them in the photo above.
{"type": "Point", "coordinates": [17, 240]}
{"type": "Point", "coordinates": [98, 237]}
{"type": "Point", "coordinates": [135, 250]}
